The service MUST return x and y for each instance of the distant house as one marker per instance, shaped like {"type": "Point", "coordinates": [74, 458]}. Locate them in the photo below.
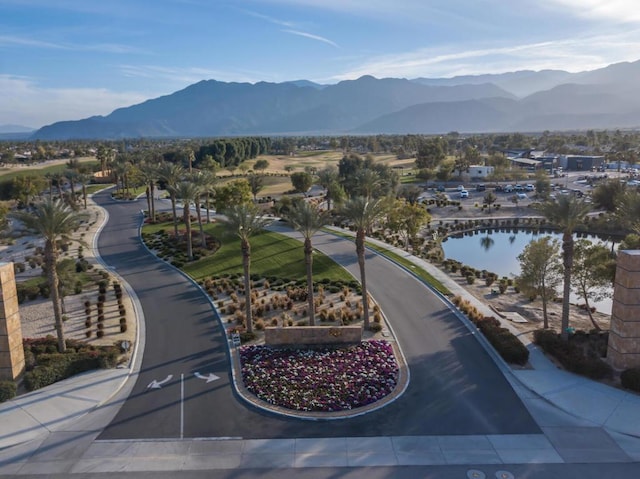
{"type": "Point", "coordinates": [580, 162]}
{"type": "Point", "coordinates": [477, 172]}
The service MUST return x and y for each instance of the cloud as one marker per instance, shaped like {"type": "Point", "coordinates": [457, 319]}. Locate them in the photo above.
{"type": "Point", "coordinates": [180, 77]}
{"type": "Point", "coordinates": [313, 37]}
{"type": "Point", "coordinates": [575, 54]}
{"type": "Point", "coordinates": [621, 11]}
{"type": "Point", "coordinates": [22, 101]}
{"type": "Point", "coordinates": [8, 40]}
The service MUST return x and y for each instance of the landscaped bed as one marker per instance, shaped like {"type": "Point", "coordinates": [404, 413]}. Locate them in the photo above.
{"type": "Point", "coordinates": [323, 380]}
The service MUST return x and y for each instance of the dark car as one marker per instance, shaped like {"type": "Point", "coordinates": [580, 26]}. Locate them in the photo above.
{"type": "Point", "coordinates": [481, 187]}
{"type": "Point", "coordinates": [440, 188]}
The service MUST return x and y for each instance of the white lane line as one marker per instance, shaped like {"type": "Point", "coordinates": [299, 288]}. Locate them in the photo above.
{"type": "Point", "coordinates": [182, 406]}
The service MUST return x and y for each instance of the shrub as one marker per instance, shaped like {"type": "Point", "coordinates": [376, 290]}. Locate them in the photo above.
{"type": "Point", "coordinates": [7, 390]}
{"type": "Point", "coordinates": [630, 379]}
{"type": "Point", "coordinates": [375, 327]}
{"type": "Point", "coordinates": [123, 327]}
{"type": "Point", "coordinates": [100, 333]}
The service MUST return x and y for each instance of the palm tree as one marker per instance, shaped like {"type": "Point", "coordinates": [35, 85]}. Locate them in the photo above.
{"type": "Point", "coordinates": [245, 221]}
{"type": "Point", "coordinates": [200, 180]}
{"type": "Point", "coordinates": [171, 174]}
{"type": "Point", "coordinates": [84, 179]}
{"type": "Point", "coordinates": [363, 213]}
{"type": "Point", "coordinates": [307, 219]}
{"type": "Point", "coordinates": [566, 213]}
{"type": "Point", "coordinates": [187, 191]}
{"type": "Point", "coordinates": [53, 220]}
{"type": "Point", "coordinates": [149, 174]}
{"type": "Point", "coordinates": [326, 178]}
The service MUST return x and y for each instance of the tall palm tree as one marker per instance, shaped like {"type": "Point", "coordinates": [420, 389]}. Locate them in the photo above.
{"type": "Point", "coordinates": [52, 220]}
{"type": "Point", "coordinates": [326, 178]}
{"type": "Point", "coordinates": [307, 219]}
{"type": "Point", "coordinates": [171, 174]}
{"type": "Point", "coordinates": [245, 220]}
{"type": "Point", "coordinates": [202, 181]}
{"type": "Point", "coordinates": [566, 213]}
{"type": "Point", "coordinates": [363, 213]}
{"type": "Point", "coordinates": [367, 183]}
{"type": "Point", "coordinates": [187, 191]}
{"type": "Point", "coordinates": [84, 179]}
{"type": "Point", "coordinates": [149, 174]}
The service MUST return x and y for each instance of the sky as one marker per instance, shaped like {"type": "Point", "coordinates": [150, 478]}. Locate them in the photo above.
{"type": "Point", "coordinates": [72, 59]}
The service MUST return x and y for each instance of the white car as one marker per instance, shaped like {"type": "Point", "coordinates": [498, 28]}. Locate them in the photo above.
{"type": "Point", "coordinates": [529, 187]}
{"type": "Point", "coordinates": [521, 196]}
{"type": "Point", "coordinates": [461, 188]}
{"type": "Point", "coordinates": [464, 194]}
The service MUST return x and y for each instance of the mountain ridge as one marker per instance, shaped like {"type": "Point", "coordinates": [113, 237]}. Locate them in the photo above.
{"type": "Point", "coordinates": [602, 98]}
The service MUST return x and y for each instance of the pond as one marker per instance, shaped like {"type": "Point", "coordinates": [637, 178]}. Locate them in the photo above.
{"type": "Point", "coordinates": [497, 251]}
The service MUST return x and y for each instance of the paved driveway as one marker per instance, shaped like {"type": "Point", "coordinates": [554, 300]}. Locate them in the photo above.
{"type": "Point", "coordinates": [455, 387]}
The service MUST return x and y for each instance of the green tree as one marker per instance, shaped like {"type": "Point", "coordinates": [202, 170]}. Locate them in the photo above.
{"type": "Point", "coordinates": [328, 177]}
{"type": "Point", "coordinates": [431, 152]}
{"type": "Point", "coordinates": [407, 219]}
{"type": "Point", "coordinates": [307, 219]}
{"type": "Point", "coordinates": [53, 221]}
{"type": "Point", "coordinates": [566, 214]}
{"type": "Point", "coordinates": [609, 194]}
{"type": "Point", "coordinates": [363, 213]}
{"type": "Point", "coordinates": [540, 271]}
{"type": "Point", "coordinates": [26, 187]}
{"type": "Point", "coordinates": [256, 182]}
{"type": "Point", "coordinates": [594, 269]}
{"type": "Point", "coordinates": [171, 174]}
{"type": "Point", "coordinates": [543, 185]}
{"type": "Point", "coordinates": [261, 165]}
{"type": "Point", "coordinates": [489, 199]}
{"type": "Point", "coordinates": [149, 174]}
{"type": "Point", "coordinates": [187, 191]}
{"type": "Point", "coordinates": [245, 220]}
{"type": "Point", "coordinates": [234, 193]}
{"type": "Point", "coordinates": [301, 181]}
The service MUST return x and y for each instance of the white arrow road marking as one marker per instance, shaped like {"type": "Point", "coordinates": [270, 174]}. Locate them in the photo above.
{"type": "Point", "coordinates": [209, 378]}
{"type": "Point", "coordinates": [158, 384]}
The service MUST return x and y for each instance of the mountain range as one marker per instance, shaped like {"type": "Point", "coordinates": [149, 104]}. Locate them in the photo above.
{"type": "Point", "coordinates": [527, 101]}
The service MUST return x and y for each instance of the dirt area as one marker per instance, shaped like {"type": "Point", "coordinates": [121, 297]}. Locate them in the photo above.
{"type": "Point", "coordinates": [37, 315]}
{"type": "Point", "coordinates": [286, 305]}
{"type": "Point", "coordinates": [529, 313]}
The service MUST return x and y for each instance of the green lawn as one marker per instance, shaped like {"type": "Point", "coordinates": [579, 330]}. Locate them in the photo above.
{"type": "Point", "coordinates": [10, 174]}
{"type": "Point", "coordinates": [95, 188]}
{"type": "Point", "coordinates": [272, 254]}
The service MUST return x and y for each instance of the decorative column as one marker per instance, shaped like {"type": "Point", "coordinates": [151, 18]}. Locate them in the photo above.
{"type": "Point", "coordinates": [11, 350]}
{"type": "Point", "coordinates": [624, 337]}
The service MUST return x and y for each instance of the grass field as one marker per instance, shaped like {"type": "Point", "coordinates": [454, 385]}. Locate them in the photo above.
{"type": "Point", "coordinates": [272, 254]}
{"type": "Point", "coordinates": [7, 174]}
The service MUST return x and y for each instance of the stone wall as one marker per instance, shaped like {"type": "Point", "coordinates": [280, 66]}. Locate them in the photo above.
{"type": "Point", "coordinates": [11, 349]}
{"type": "Point", "coordinates": [293, 336]}
{"type": "Point", "coordinates": [624, 337]}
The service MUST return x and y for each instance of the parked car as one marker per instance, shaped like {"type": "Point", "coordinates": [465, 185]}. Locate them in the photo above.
{"type": "Point", "coordinates": [508, 188]}
{"type": "Point", "coordinates": [518, 188]}
{"type": "Point", "coordinates": [440, 188]}
{"type": "Point", "coordinates": [461, 188]}
{"type": "Point", "coordinates": [481, 187]}
{"type": "Point", "coordinates": [521, 196]}
{"type": "Point", "coordinates": [529, 187]}
{"type": "Point", "coordinates": [464, 194]}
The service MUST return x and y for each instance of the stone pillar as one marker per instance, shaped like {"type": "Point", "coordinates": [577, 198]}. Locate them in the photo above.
{"type": "Point", "coordinates": [624, 337]}
{"type": "Point", "coordinates": [11, 350]}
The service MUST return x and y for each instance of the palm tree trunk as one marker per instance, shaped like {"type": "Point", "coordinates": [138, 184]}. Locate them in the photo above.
{"type": "Point", "coordinates": [203, 241]}
{"type": "Point", "coordinates": [567, 257]}
{"type": "Point", "coordinates": [187, 224]}
{"type": "Point", "coordinates": [84, 195]}
{"type": "Point", "coordinates": [308, 259]}
{"type": "Point", "coordinates": [208, 205]}
{"type": "Point", "coordinates": [175, 215]}
{"type": "Point", "coordinates": [246, 264]}
{"type": "Point", "coordinates": [148, 194]}
{"type": "Point", "coordinates": [596, 326]}
{"type": "Point", "coordinates": [153, 202]}
{"type": "Point", "coordinates": [54, 284]}
{"type": "Point", "coordinates": [363, 280]}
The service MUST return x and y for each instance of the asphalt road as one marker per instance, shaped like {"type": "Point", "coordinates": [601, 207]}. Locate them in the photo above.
{"type": "Point", "coordinates": [455, 387]}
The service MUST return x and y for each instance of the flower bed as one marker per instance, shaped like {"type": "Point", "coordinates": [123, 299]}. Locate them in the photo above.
{"type": "Point", "coordinates": [320, 379]}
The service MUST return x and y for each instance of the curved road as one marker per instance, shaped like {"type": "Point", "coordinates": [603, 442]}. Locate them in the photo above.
{"type": "Point", "coordinates": [455, 387]}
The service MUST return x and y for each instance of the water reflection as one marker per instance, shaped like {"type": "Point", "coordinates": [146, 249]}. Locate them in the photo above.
{"type": "Point", "coordinates": [499, 250]}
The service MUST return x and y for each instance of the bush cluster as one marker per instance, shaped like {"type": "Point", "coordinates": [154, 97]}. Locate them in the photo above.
{"type": "Point", "coordinates": [46, 366]}
{"type": "Point", "coordinates": [7, 390]}
{"type": "Point", "coordinates": [572, 357]}
{"type": "Point", "coordinates": [508, 346]}
{"type": "Point", "coordinates": [630, 379]}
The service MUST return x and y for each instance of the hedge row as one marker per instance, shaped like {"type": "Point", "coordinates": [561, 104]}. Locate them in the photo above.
{"type": "Point", "coordinates": [571, 356]}
{"type": "Point", "coordinates": [630, 379]}
{"type": "Point", "coordinates": [56, 367]}
{"type": "Point", "coordinates": [7, 390]}
{"type": "Point", "coordinates": [503, 341]}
